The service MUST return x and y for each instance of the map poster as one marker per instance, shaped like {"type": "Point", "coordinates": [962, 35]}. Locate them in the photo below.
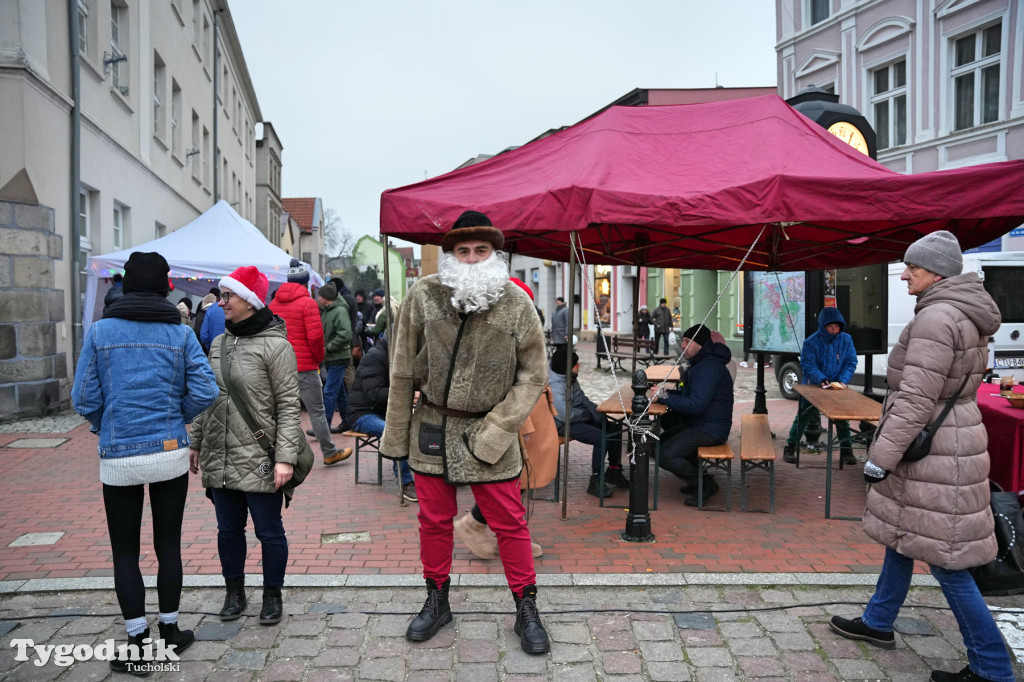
{"type": "Point", "coordinates": [779, 311]}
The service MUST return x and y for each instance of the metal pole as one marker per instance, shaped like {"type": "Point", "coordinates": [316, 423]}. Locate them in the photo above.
{"type": "Point", "coordinates": [216, 150]}
{"type": "Point", "coordinates": [869, 367]}
{"type": "Point", "coordinates": [75, 179]}
{"type": "Point", "coordinates": [760, 401]}
{"type": "Point", "coordinates": [571, 302]}
{"type": "Point", "coordinates": [638, 518]}
{"type": "Point", "coordinates": [636, 312]}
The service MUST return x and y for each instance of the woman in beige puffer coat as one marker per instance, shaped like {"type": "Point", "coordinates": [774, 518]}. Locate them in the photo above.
{"type": "Point", "coordinates": [936, 509]}
{"type": "Point", "coordinates": [238, 474]}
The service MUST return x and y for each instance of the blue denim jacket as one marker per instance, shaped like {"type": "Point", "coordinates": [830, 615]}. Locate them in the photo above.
{"type": "Point", "coordinates": [139, 383]}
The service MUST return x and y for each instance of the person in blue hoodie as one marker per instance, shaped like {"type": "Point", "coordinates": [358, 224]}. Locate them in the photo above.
{"type": "Point", "coordinates": [213, 325]}
{"type": "Point", "coordinates": [827, 356]}
{"type": "Point", "coordinates": [140, 379]}
{"type": "Point", "coordinates": [702, 409]}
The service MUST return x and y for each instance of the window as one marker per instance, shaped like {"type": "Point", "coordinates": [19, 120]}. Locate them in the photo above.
{"type": "Point", "coordinates": [83, 216]}
{"type": "Point", "coordinates": [197, 16]}
{"type": "Point", "coordinates": [195, 146]}
{"type": "Point", "coordinates": [118, 227]}
{"type": "Point", "coordinates": [206, 39]}
{"type": "Point", "coordinates": [175, 118]}
{"type": "Point", "coordinates": [159, 88]}
{"type": "Point", "coordinates": [119, 45]}
{"type": "Point", "coordinates": [206, 156]}
{"type": "Point", "coordinates": [84, 243]}
{"type": "Point", "coordinates": [830, 88]}
{"type": "Point", "coordinates": [159, 230]}
{"type": "Point", "coordinates": [975, 74]}
{"type": "Point", "coordinates": [819, 11]}
{"type": "Point", "coordinates": [223, 86]}
{"type": "Point", "coordinates": [83, 29]}
{"type": "Point", "coordinates": [889, 102]}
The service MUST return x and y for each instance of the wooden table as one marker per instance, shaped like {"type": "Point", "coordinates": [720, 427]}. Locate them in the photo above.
{"type": "Point", "coordinates": [659, 373]}
{"type": "Point", "coordinates": [611, 410]}
{"type": "Point", "coordinates": [838, 404]}
{"type": "Point", "coordinates": [1005, 426]}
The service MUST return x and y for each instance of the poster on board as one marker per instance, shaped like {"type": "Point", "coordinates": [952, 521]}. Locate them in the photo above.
{"type": "Point", "coordinates": [779, 307]}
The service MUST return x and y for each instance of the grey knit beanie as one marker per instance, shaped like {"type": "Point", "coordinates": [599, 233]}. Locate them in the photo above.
{"type": "Point", "coordinates": [938, 252]}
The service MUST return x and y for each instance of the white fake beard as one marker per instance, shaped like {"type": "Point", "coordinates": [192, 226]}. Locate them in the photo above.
{"type": "Point", "coordinates": [475, 286]}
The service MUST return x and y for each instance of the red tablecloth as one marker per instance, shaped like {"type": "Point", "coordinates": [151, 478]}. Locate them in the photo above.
{"type": "Point", "coordinates": [1005, 427]}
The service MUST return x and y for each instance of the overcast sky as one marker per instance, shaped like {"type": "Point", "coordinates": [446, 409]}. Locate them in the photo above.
{"type": "Point", "coordinates": [371, 95]}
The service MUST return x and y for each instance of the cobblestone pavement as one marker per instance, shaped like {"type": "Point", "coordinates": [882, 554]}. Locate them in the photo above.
{"type": "Point", "coordinates": [675, 633]}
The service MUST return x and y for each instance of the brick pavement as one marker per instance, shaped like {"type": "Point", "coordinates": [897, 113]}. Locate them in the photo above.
{"type": "Point", "coordinates": [57, 490]}
{"type": "Point", "coordinates": [674, 632]}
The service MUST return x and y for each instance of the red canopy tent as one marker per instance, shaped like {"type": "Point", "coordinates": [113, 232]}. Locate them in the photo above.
{"type": "Point", "coordinates": [699, 182]}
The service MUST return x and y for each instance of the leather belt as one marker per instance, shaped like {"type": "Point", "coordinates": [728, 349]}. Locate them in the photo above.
{"type": "Point", "coordinates": [449, 412]}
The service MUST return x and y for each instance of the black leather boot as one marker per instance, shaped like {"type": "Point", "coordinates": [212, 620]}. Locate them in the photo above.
{"type": "Point", "coordinates": [234, 600]}
{"type": "Point", "coordinates": [533, 638]}
{"type": "Point", "coordinates": [848, 457]}
{"type": "Point", "coordinates": [131, 663]}
{"type": "Point", "coordinates": [272, 607]}
{"type": "Point", "coordinates": [435, 614]}
{"type": "Point", "coordinates": [181, 639]}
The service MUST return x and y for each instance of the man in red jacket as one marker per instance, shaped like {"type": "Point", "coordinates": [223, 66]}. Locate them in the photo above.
{"type": "Point", "coordinates": [301, 316]}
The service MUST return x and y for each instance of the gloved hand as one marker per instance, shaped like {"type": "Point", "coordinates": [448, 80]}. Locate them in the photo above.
{"type": "Point", "coordinates": [874, 473]}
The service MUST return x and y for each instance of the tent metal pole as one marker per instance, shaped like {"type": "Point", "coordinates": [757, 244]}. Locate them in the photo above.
{"type": "Point", "coordinates": [389, 331]}
{"type": "Point", "coordinates": [571, 302]}
{"type": "Point", "coordinates": [633, 321]}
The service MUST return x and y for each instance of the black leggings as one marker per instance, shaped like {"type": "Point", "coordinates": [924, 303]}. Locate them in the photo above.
{"type": "Point", "coordinates": [123, 505]}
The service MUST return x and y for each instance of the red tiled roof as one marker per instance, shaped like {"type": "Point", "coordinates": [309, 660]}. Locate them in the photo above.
{"type": "Point", "coordinates": [301, 211]}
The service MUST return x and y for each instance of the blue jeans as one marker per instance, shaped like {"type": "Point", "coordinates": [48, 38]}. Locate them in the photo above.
{"type": "Point", "coordinates": [335, 395]}
{"type": "Point", "coordinates": [986, 652]}
{"type": "Point", "coordinates": [232, 508]}
{"type": "Point", "coordinates": [374, 425]}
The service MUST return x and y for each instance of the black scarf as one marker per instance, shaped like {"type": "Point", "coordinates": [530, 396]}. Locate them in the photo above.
{"type": "Point", "coordinates": [143, 306]}
{"type": "Point", "coordinates": [252, 325]}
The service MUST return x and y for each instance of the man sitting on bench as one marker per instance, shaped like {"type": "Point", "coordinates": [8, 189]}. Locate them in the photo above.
{"type": "Point", "coordinates": [585, 426]}
{"type": "Point", "coordinates": [700, 413]}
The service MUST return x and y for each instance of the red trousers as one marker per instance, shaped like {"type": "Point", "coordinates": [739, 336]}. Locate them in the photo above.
{"type": "Point", "coordinates": [501, 506]}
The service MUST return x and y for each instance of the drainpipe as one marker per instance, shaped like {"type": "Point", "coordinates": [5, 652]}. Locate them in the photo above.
{"type": "Point", "coordinates": [216, 151]}
{"type": "Point", "coordinates": [76, 178]}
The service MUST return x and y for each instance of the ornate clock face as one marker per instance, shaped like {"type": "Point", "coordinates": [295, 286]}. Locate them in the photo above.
{"type": "Point", "coordinates": [851, 135]}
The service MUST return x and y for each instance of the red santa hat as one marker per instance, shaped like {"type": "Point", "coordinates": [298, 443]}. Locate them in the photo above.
{"type": "Point", "coordinates": [522, 285]}
{"type": "Point", "coordinates": [249, 284]}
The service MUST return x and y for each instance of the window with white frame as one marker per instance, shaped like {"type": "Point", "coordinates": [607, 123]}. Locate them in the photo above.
{"type": "Point", "coordinates": [206, 156]}
{"type": "Point", "coordinates": [159, 230]}
{"type": "Point", "coordinates": [175, 118]}
{"type": "Point", "coordinates": [84, 242]}
{"type": "Point", "coordinates": [118, 227]}
{"type": "Point", "coordinates": [83, 28]}
{"type": "Point", "coordinates": [206, 39]}
{"type": "Point", "coordinates": [976, 67]}
{"type": "Point", "coordinates": [119, 44]}
{"type": "Point", "coordinates": [159, 88]}
{"type": "Point", "coordinates": [191, 155]}
{"type": "Point", "coordinates": [889, 104]}
{"type": "Point", "coordinates": [819, 10]}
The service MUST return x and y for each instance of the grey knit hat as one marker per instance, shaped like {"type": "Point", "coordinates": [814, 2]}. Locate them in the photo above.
{"type": "Point", "coordinates": [938, 252]}
{"type": "Point", "coordinates": [298, 272]}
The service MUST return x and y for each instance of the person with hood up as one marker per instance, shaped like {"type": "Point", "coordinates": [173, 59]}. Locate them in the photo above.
{"type": "Point", "coordinates": [238, 474]}
{"type": "Point", "coordinates": [140, 379]}
{"type": "Point", "coordinates": [643, 323]}
{"type": "Point", "coordinates": [301, 316]}
{"type": "Point", "coordinates": [937, 509]}
{"type": "Point", "coordinates": [337, 352]}
{"type": "Point", "coordinates": [827, 356]}
{"type": "Point", "coordinates": [702, 409]}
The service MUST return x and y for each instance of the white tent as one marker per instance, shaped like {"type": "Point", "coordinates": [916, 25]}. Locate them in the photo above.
{"type": "Point", "coordinates": [200, 253]}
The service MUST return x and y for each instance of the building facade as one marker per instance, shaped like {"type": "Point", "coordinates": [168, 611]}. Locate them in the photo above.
{"type": "Point", "coordinates": [268, 188]}
{"type": "Point", "coordinates": [941, 81]}
{"type": "Point", "coordinates": [165, 128]}
{"type": "Point", "coordinates": [308, 242]}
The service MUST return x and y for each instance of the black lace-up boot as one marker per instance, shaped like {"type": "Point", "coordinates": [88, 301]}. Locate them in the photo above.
{"type": "Point", "coordinates": [234, 600]}
{"type": "Point", "coordinates": [532, 636]}
{"type": "Point", "coordinates": [272, 606]}
{"type": "Point", "coordinates": [132, 662]}
{"type": "Point", "coordinates": [435, 613]}
{"type": "Point", "coordinates": [172, 634]}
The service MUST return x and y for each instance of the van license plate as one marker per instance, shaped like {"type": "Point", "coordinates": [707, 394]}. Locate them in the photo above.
{"type": "Point", "coordinates": [1009, 363]}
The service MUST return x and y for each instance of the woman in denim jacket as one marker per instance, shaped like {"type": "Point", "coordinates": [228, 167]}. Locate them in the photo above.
{"type": "Point", "coordinates": [141, 377]}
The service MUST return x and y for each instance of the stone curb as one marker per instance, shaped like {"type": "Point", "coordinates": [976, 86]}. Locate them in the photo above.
{"type": "Point", "coordinates": [485, 580]}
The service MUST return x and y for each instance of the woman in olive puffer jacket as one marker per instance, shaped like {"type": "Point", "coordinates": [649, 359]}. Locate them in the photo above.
{"type": "Point", "coordinates": [238, 474]}
{"type": "Point", "coordinates": [936, 509]}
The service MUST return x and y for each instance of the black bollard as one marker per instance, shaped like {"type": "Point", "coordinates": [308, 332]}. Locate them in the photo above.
{"type": "Point", "coordinates": [638, 518]}
{"type": "Point", "coordinates": [760, 399]}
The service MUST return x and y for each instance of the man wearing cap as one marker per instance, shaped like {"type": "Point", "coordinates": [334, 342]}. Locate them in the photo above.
{"type": "Point", "coordinates": [662, 318]}
{"type": "Point", "coordinates": [301, 316]}
{"type": "Point", "coordinates": [560, 324]}
{"type": "Point", "coordinates": [702, 409]}
{"type": "Point", "coordinates": [470, 341]}
{"type": "Point", "coordinates": [337, 350]}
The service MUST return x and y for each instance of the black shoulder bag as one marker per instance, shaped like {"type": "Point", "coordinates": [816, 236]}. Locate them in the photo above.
{"type": "Point", "coordinates": [1004, 575]}
{"type": "Point", "coordinates": [922, 445]}
{"type": "Point", "coordinates": [304, 462]}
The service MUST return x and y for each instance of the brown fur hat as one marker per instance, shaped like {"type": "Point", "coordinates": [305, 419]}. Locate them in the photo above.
{"type": "Point", "coordinates": [472, 226]}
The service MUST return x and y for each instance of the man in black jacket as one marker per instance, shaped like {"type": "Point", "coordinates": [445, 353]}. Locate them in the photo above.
{"type": "Point", "coordinates": [368, 404]}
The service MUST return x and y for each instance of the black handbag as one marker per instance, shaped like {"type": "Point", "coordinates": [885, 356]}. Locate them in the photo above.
{"type": "Point", "coordinates": [303, 463]}
{"type": "Point", "coordinates": [922, 445]}
{"type": "Point", "coordinates": [1004, 575]}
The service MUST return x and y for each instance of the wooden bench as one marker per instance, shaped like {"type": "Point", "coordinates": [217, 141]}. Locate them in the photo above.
{"type": "Point", "coordinates": [714, 457]}
{"type": "Point", "coordinates": [756, 452]}
{"type": "Point", "coordinates": [365, 440]}
{"type": "Point", "coordinates": [622, 347]}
